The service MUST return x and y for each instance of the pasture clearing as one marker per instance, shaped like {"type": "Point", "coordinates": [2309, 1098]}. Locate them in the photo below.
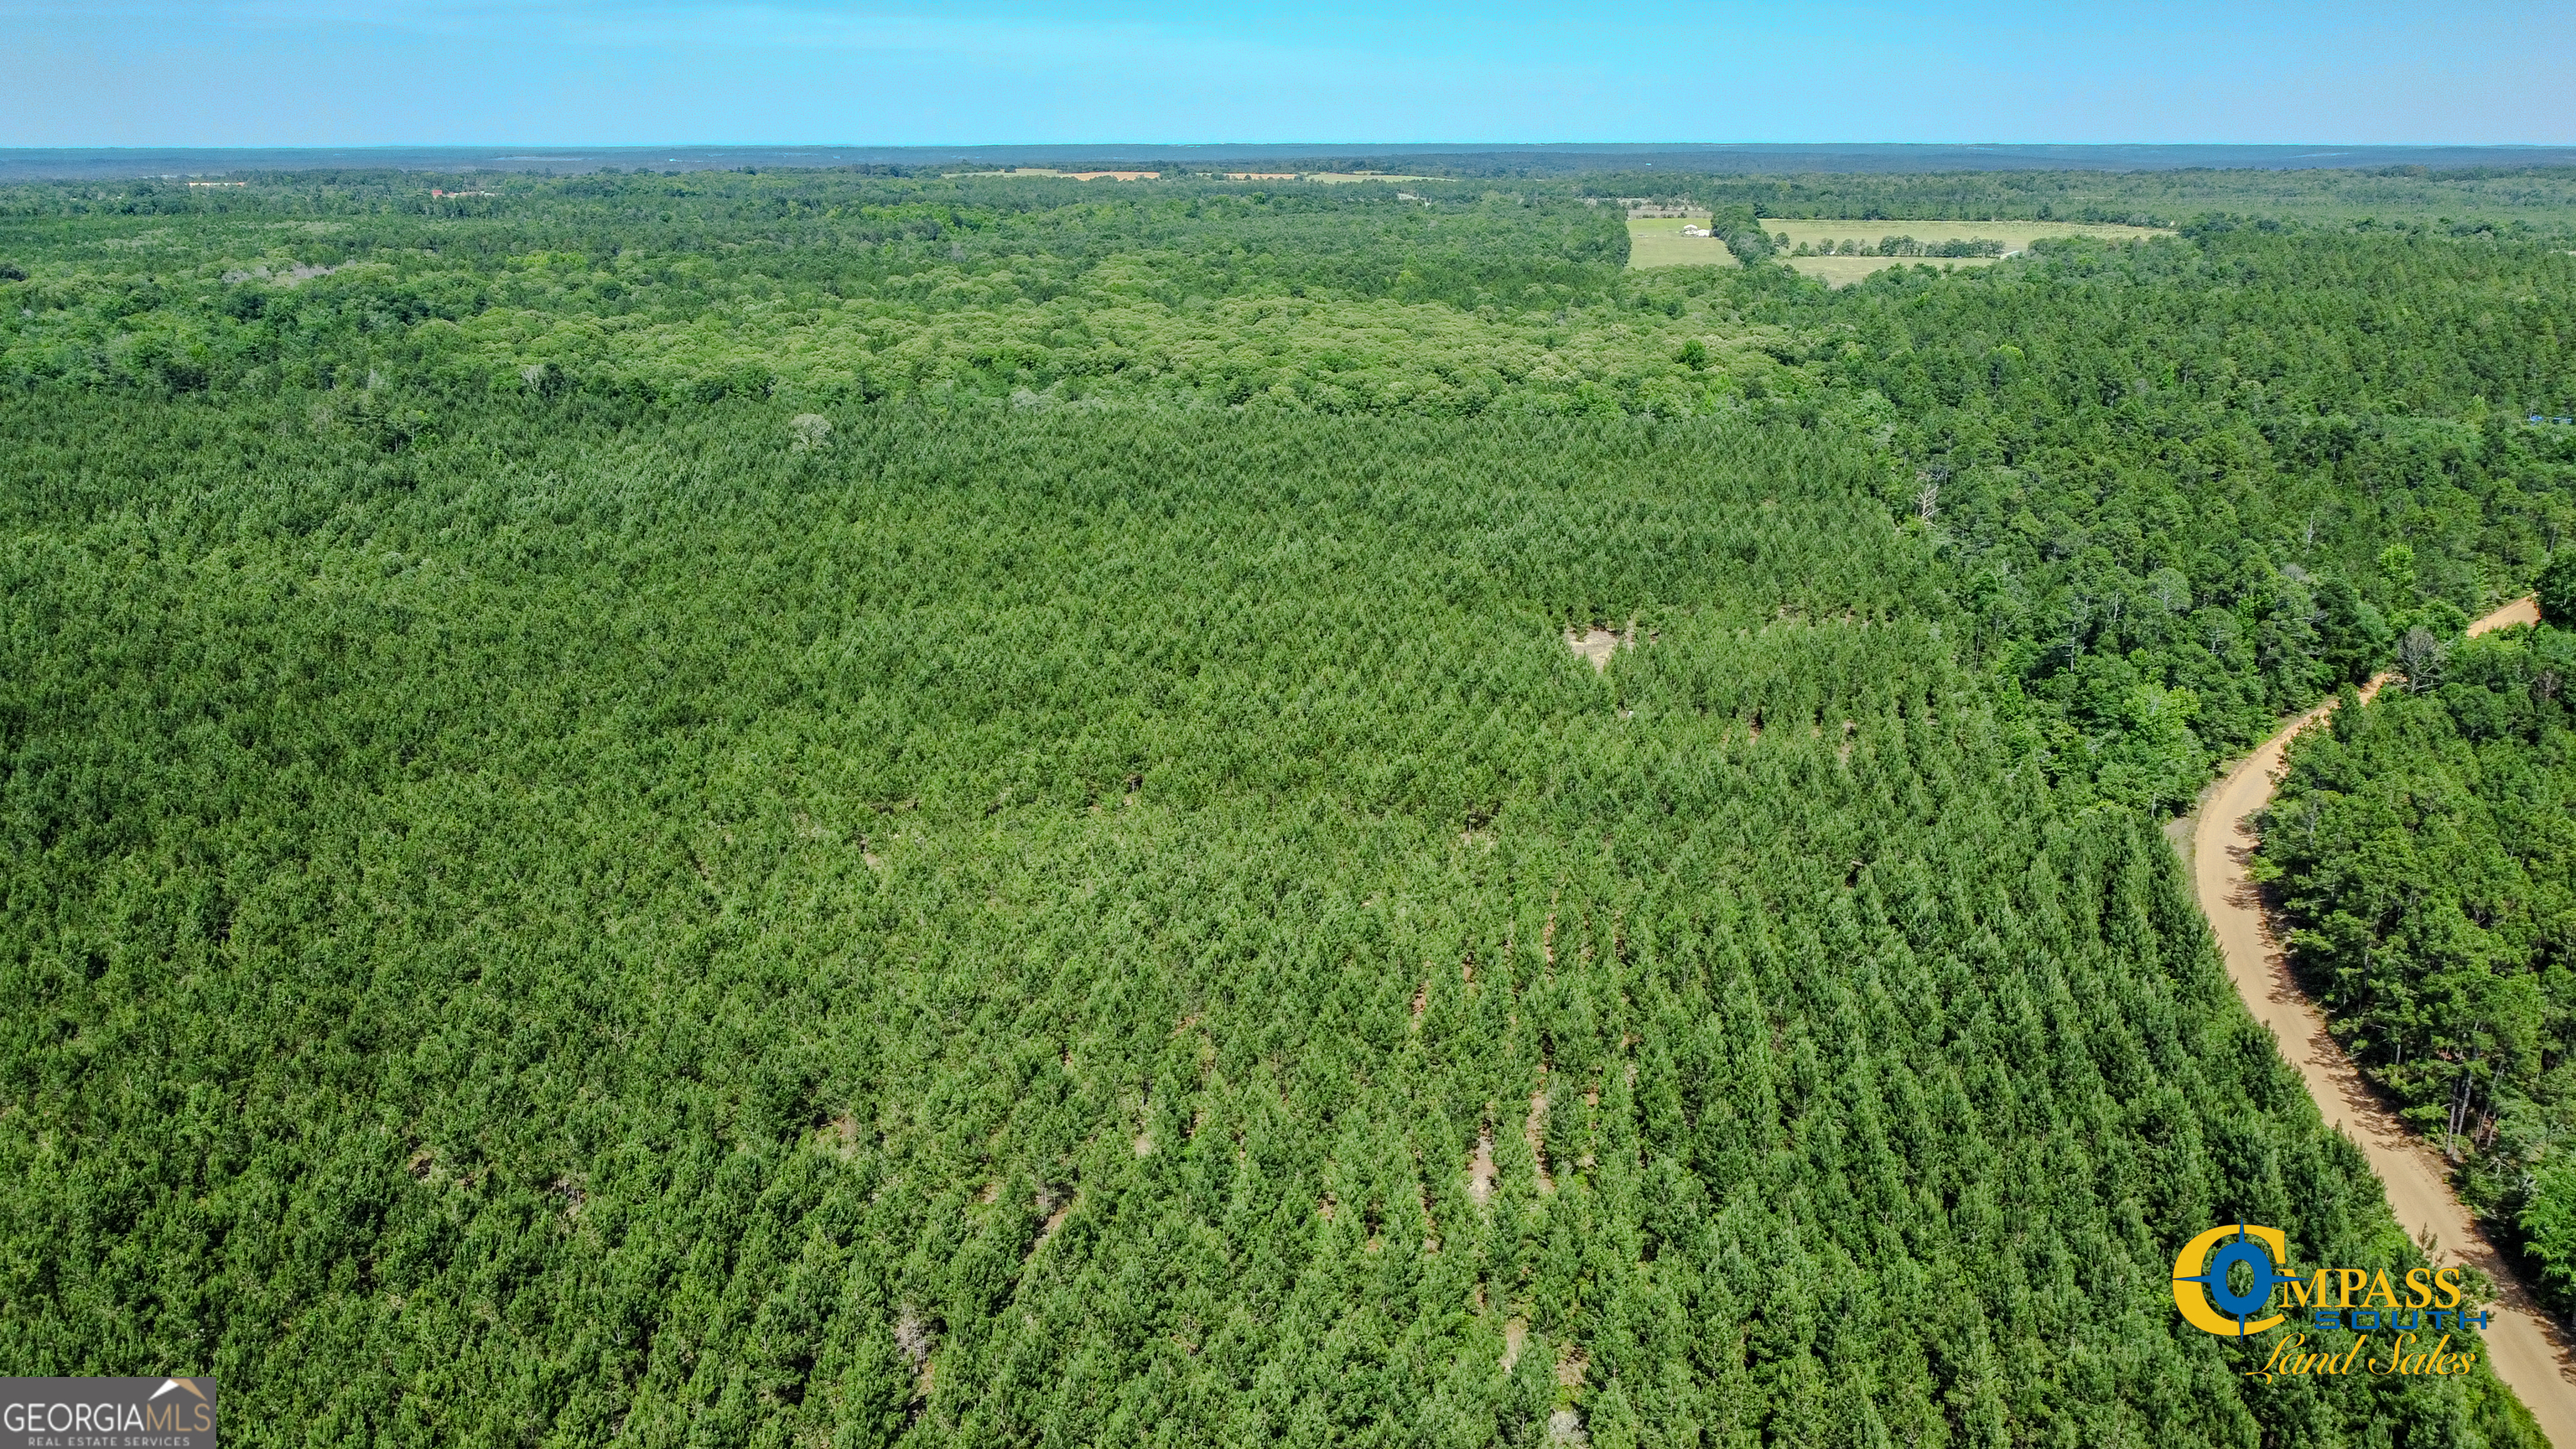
{"type": "Point", "coordinates": [1846, 234]}
{"type": "Point", "coordinates": [1658, 242]}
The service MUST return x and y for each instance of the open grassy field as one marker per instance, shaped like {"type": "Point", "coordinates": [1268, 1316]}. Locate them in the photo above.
{"type": "Point", "coordinates": [1658, 242]}
{"type": "Point", "coordinates": [1842, 270]}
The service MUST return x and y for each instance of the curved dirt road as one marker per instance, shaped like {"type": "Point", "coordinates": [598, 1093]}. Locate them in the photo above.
{"type": "Point", "coordinates": [2526, 1352]}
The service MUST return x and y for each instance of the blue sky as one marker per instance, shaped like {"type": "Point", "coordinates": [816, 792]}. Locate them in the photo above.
{"type": "Point", "coordinates": [588, 72]}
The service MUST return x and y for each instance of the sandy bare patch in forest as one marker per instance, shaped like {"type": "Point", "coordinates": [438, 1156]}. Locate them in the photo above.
{"type": "Point", "coordinates": [1480, 1171]}
{"type": "Point", "coordinates": [912, 1336]}
{"type": "Point", "coordinates": [2178, 834]}
{"type": "Point", "coordinates": [1515, 1338]}
{"type": "Point", "coordinates": [1056, 1214]}
{"type": "Point", "coordinates": [841, 1135]}
{"type": "Point", "coordinates": [1598, 644]}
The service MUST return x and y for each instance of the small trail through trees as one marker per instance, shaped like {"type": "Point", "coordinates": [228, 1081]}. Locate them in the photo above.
{"type": "Point", "coordinates": [2528, 1353]}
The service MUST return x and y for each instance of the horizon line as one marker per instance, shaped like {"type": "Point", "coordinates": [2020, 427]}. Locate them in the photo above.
{"type": "Point", "coordinates": [2322, 147]}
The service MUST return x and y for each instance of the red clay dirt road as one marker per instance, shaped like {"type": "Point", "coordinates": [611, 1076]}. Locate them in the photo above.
{"type": "Point", "coordinates": [2527, 1353]}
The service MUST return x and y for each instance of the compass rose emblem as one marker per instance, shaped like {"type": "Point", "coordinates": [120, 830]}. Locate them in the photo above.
{"type": "Point", "coordinates": [2203, 1270]}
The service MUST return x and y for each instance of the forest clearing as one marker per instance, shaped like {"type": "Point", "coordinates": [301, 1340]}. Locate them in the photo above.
{"type": "Point", "coordinates": [1658, 242]}
{"type": "Point", "coordinates": [1840, 252]}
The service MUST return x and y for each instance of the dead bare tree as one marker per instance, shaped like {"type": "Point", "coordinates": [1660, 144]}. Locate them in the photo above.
{"type": "Point", "coordinates": [2419, 658]}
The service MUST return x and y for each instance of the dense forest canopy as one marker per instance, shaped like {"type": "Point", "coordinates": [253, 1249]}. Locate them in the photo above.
{"type": "Point", "coordinates": [751, 807]}
{"type": "Point", "coordinates": [2172, 474]}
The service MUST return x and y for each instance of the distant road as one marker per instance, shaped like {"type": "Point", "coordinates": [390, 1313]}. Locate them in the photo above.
{"type": "Point", "coordinates": [2528, 1354]}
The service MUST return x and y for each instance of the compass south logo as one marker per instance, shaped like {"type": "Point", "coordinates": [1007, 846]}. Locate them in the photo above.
{"type": "Point", "coordinates": [2235, 1281]}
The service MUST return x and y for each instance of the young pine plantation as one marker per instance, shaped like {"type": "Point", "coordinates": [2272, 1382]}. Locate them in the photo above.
{"type": "Point", "coordinates": [998, 905]}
